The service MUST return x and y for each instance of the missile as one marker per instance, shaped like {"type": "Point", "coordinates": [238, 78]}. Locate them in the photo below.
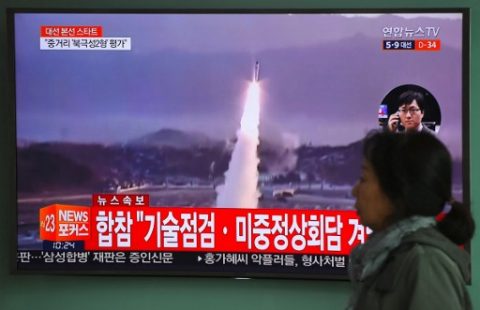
{"type": "Point", "coordinates": [256, 72]}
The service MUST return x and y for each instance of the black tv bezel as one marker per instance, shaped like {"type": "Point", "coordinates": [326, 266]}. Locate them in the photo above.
{"type": "Point", "coordinates": [11, 102]}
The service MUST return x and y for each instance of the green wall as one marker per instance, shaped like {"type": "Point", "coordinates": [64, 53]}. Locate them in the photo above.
{"type": "Point", "coordinates": [122, 292]}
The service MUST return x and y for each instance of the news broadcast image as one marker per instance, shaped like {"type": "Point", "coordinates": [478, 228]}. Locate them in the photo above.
{"type": "Point", "coordinates": [212, 144]}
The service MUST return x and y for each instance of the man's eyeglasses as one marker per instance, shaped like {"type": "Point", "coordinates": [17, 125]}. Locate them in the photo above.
{"type": "Point", "coordinates": [411, 111]}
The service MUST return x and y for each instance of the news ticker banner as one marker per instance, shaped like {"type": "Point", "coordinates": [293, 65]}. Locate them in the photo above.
{"type": "Point", "coordinates": [295, 265]}
{"type": "Point", "coordinates": [80, 38]}
{"type": "Point", "coordinates": [128, 223]}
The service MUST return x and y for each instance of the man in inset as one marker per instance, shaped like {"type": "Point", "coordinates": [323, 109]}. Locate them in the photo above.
{"type": "Point", "coordinates": [410, 113]}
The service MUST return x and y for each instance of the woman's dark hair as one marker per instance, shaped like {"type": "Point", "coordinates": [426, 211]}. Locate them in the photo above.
{"type": "Point", "coordinates": [415, 171]}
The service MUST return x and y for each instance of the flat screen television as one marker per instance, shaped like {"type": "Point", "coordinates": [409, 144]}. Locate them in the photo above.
{"type": "Point", "coordinates": [222, 143]}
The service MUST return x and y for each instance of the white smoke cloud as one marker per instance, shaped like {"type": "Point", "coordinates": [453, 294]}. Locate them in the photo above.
{"type": "Point", "coordinates": [241, 178]}
{"type": "Point", "coordinates": [283, 145]}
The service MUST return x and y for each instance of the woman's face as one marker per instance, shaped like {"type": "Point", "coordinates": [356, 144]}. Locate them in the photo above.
{"type": "Point", "coordinates": [373, 207]}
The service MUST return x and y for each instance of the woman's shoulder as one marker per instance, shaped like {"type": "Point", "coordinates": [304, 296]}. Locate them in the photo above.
{"type": "Point", "coordinates": [430, 247]}
{"type": "Point", "coordinates": [427, 261]}
{"type": "Point", "coordinates": [421, 267]}
{"type": "Point", "coordinates": [426, 256]}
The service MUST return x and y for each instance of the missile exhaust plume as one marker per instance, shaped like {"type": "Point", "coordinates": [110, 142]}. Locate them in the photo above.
{"type": "Point", "coordinates": [241, 178]}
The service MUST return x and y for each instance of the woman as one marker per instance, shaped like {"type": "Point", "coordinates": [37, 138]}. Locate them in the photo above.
{"type": "Point", "coordinates": [411, 260]}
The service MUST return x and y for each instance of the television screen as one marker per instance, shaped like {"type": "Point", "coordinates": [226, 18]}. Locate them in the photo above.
{"type": "Point", "coordinates": [217, 143]}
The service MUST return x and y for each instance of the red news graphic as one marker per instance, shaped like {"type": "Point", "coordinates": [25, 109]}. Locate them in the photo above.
{"type": "Point", "coordinates": [64, 223]}
{"type": "Point", "coordinates": [71, 31]}
{"type": "Point", "coordinates": [119, 200]}
{"type": "Point", "coordinates": [427, 45]}
{"type": "Point", "coordinates": [110, 225]}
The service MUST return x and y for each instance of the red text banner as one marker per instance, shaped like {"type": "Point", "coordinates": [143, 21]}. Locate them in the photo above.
{"type": "Point", "coordinates": [216, 230]}
{"type": "Point", "coordinates": [71, 31]}
{"type": "Point", "coordinates": [120, 200]}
